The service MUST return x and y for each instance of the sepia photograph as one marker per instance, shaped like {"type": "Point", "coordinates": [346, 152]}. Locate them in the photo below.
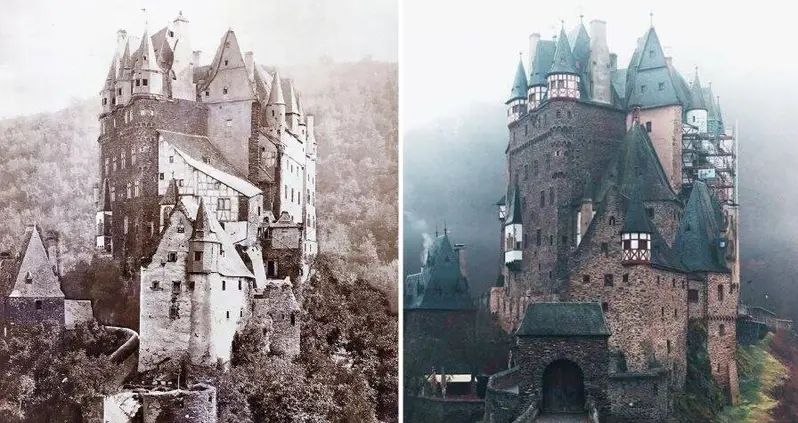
{"type": "Point", "coordinates": [200, 211]}
{"type": "Point", "coordinates": [597, 212]}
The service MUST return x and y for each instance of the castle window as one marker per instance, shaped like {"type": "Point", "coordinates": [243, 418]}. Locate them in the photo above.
{"type": "Point", "coordinates": [226, 62]}
{"type": "Point", "coordinates": [132, 154]}
{"type": "Point", "coordinates": [197, 255]}
{"type": "Point", "coordinates": [543, 198]}
{"type": "Point", "coordinates": [105, 101]}
{"type": "Point", "coordinates": [293, 319]}
{"type": "Point", "coordinates": [626, 277]}
{"type": "Point", "coordinates": [38, 304]}
{"type": "Point", "coordinates": [180, 182]}
{"type": "Point", "coordinates": [569, 114]}
{"type": "Point", "coordinates": [144, 82]}
{"type": "Point", "coordinates": [551, 196]}
{"type": "Point", "coordinates": [551, 239]}
{"type": "Point", "coordinates": [119, 91]}
{"type": "Point", "coordinates": [692, 295]}
{"type": "Point", "coordinates": [113, 162]}
{"type": "Point", "coordinates": [180, 229]}
{"type": "Point", "coordinates": [155, 285]}
{"type": "Point", "coordinates": [171, 256]}
{"type": "Point", "coordinates": [113, 193]}
{"type": "Point", "coordinates": [651, 53]}
{"type": "Point", "coordinates": [175, 287]}
{"type": "Point", "coordinates": [538, 238]}
{"type": "Point", "coordinates": [605, 247]}
{"type": "Point", "coordinates": [558, 114]}
{"type": "Point", "coordinates": [669, 346]}
{"type": "Point", "coordinates": [107, 163]}
{"type": "Point", "coordinates": [609, 279]}
{"type": "Point", "coordinates": [227, 314]}
{"type": "Point", "coordinates": [136, 189]}
{"type": "Point", "coordinates": [650, 211]}
{"type": "Point", "coordinates": [657, 280]}
{"type": "Point", "coordinates": [125, 225]}
{"type": "Point", "coordinates": [675, 313]}
{"type": "Point", "coordinates": [662, 312]}
{"type": "Point", "coordinates": [224, 285]}
{"type": "Point", "coordinates": [643, 88]}
{"type": "Point", "coordinates": [171, 159]}
{"type": "Point", "coordinates": [585, 278]}
{"type": "Point", "coordinates": [208, 92]}
{"type": "Point", "coordinates": [224, 91]}
{"type": "Point", "coordinates": [720, 292]}
{"type": "Point", "coordinates": [161, 176]}
{"type": "Point", "coordinates": [223, 204]}
{"type": "Point", "coordinates": [239, 285]}
{"type": "Point", "coordinates": [271, 268]}
{"type": "Point", "coordinates": [648, 126]}
{"type": "Point", "coordinates": [662, 87]}
{"type": "Point", "coordinates": [722, 330]}
{"type": "Point", "coordinates": [605, 306]}
{"type": "Point", "coordinates": [673, 282]}
{"type": "Point", "coordinates": [171, 33]}
{"type": "Point", "coordinates": [122, 160]}
{"type": "Point", "coordinates": [129, 190]}
{"type": "Point", "coordinates": [138, 82]}
{"type": "Point", "coordinates": [241, 312]}
{"type": "Point", "coordinates": [190, 285]}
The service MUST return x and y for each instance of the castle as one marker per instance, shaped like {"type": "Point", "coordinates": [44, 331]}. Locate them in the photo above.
{"type": "Point", "coordinates": [207, 196]}
{"type": "Point", "coordinates": [619, 227]}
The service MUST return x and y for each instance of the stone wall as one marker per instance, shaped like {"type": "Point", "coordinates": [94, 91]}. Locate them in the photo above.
{"type": "Point", "coordinates": [197, 404]}
{"type": "Point", "coordinates": [502, 403]}
{"type": "Point", "coordinates": [639, 397]}
{"type": "Point", "coordinates": [722, 327]}
{"type": "Point", "coordinates": [591, 354]}
{"type": "Point", "coordinates": [439, 338]}
{"type": "Point", "coordinates": [229, 129]}
{"type": "Point", "coordinates": [220, 308]}
{"type": "Point", "coordinates": [24, 311]}
{"type": "Point", "coordinates": [666, 135]}
{"type": "Point", "coordinates": [276, 307]}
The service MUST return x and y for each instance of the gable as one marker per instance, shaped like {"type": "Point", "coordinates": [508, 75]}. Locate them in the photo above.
{"type": "Point", "coordinates": [35, 267]}
{"type": "Point", "coordinates": [651, 56]}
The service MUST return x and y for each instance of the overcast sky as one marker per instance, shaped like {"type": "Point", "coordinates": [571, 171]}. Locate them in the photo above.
{"type": "Point", "coordinates": [458, 52]}
{"type": "Point", "coordinates": [53, 51]}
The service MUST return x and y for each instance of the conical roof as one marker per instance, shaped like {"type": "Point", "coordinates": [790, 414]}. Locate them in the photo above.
{"type": "Point", "coordinates": [291, 105]}
{"type": "Point", "coordinates": [110, 79]}
{"type": "Point", "coordinates": [514, 208]}
{"type": "Point", "coordinates": [172, 194]}
{"type": "Point", "coordinates": [698, 237]}
{"type": "Point", "coordinates": [201, 222]}
{"type": "Point", "coordinates": [105, 200]}
{"type": "Point", "coordinates": [544, 55]}
{"type": "Point", "coordinates": [697, 94]}
{"type": "Point", "coordinates": [147, 60]}
{"type": "Point", "coordinates": [636, 220]}
{"type": "Point", "coordinates": [520, 83]}
{"type": "Point", "coordinates": [276, 94]}
{"type": "Point", "coordinates": [440, 285]}
{"type": "Point", "coordinates": [35, 276]}
{"type": "Point", "coordinates": [581, 48]}
{"type": "Point", "coordinates": [564, 61]}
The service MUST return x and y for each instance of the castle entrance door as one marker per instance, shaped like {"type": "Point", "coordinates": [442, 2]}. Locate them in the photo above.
{"type": "Point", "coordinates": [563, 388]}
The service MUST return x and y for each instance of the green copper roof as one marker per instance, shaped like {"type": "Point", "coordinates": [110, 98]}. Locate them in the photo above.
{"type": "Point", "coordinates": [697, 240]}
{"type": "Point", "coordinates": [564, 61]}
{"type": "Point", "coordinates": [581, 50]}
{"type": "Point", "coordinates": [697, 94]}
{"type": "Point", "coordinates": [636, 219]}
{"type": "Point", "coordinates": [564, 319]}
{"type": "Point", "coordinates": [440, 285]}
{"type": "Point", "coordinates": [544, 55]}
{"type": "Point", "coordinates": [636, 163]}
{"type": "Point", "coordinates": [514, 208]}
{"type": "Point", "coordinates": [650, 80]}
{"type": "Point", "coordinates": [709, 102]}
{"type": "Point", "coordinates": [651, 55]}
{"type": "Point", "coordinates": [520, 84]}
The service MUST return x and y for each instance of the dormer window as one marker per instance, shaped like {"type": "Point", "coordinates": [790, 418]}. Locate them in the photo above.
{"type": "Point", "coordinates": [226, 62]}
{"type": "Point", "coordinates": [643, 88]}
{"type": "Point", "coordinates": [651, 53]}
{"type": "Point", "coordinates": [28, 278]}
{"type": "Point", "coordinates": [207, 93]}
{"type": "Point", "coordinates": [171, 34]}
{"type": "Point", "coordinates": [661, 86]}
{"type": "Point", "coordinates": [224, 90]}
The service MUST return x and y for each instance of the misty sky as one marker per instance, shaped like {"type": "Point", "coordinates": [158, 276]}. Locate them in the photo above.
{"type": "Point", "coordinates": [455, 52]}
{"type": "Point", "coordinates": [53, 51]}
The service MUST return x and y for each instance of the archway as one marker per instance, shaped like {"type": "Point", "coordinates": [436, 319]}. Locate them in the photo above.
{"type": "Point", "coordinates": [563, 388]}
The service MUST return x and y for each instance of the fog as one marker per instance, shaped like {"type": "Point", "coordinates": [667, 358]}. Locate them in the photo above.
{"type": "Point", "coordinates": [52, 51]}
{"type": "Point", "coordinates": [460, 78]}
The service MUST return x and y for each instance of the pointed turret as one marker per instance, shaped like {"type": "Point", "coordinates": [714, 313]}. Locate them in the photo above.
{"type": "Point", "coordinates": [35, 276]}
{"type": "Point", "coordinates": [516, 104]}
{"type": "Point", "coordinates": [699, 243]}
{"type": "Point", "coordinates": [147, 75]}
{"type": "Point", "coordinates": [563, 78]}
{"type": "Point", "coordinates": [275, 107]}
{"type": "Point", "coordinates": [581, 49]}
{"type": "Point", "coordinates": [636, 231]}
{"type": "Point", "coordinates": [109, 88]}
{"type": "Point", "coordinates": [513, 231]}
{"type": "Point", "coordinates": [697, 111]}
{"type": "Point", "coordinates": [291, 106]}
{"type": "Point", "coordinates": [204, 244]}
{"type": "Point", "coordinates": [538, 86]}
{"type": "Point", "coordinates": [169, 201]}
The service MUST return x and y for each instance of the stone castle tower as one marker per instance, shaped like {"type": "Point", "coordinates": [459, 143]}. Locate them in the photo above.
{"type": "Point", "coordinates": [208, 193]}
{"type": "Point", "coordinates": [607, 202]}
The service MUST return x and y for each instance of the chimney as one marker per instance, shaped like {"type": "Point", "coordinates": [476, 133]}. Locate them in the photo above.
{"type": "Point", "coordinates": [461, 256]}
{"type": "Point", "coordinates": [309, 123]}
{"type": "Point", "coordinates": [52, 243]}
{"type": "Point", "coordinates": [197, 57]}
{"type": "Point", "coordinates": [613, 62]}
{"type": "Point", "coordinates": [249, 62]}
{"type": "Point", "coordinates": [598, 30]}
{"type": "Point", "coordinates": [533, 48]}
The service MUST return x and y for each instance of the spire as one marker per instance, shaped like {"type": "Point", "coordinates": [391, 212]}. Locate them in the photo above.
{"type": "Point", "coordinates": [180, 17]}
{"type": "Point", "coordinates": [172, 194]}
{"type": "Point", "coordinates": [35, 276]}
{"type": "Point", "coordinates": [147, 59]}
{"type": "Point", "coordinates": [564, 61]}
{"type": "Point", "coordinates": [112, 72]}
{"type": "Point", "coordinates": [520, 83]}
{"type": "Point", "coordinates": [651, 19]}
{"type": "Point", "coordinates": [291, 105]}
{"type": "Point", "coordinates": [697, 94]}
{"type": "Point", "coordinates": [636, 220]}
{"type": "Point", "coordinates": [276, 94]}
{"type": "Point", "coordinates": [106, 197]}
{"type": "Point", "coordinates": [201, 222]}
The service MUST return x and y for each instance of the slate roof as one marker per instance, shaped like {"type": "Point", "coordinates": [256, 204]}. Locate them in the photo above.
{"type": "Point", "coordinates": [291, 105]}
{"type": "Point", "coordinates": [697, 94]}
{"type": "Point", "coordinates": [106, 196]}
{"type": "Point", "coordinates": [34, 264]}
{"type": "Point", "coordinates": [648, 70]}
{"type": "Point", "coordinates": [440, 285]}
{"type": "Point", "coordinates": [520, 83]}
{"type": "Point", "coordinates": [201, 154]}
{"type": "Point", "coordinates": [564, 319]}
{"type": "Point", "coordinates": [514, 208]}
{"type": "Point", "coordinates": [636, 218]}
{"type": "Point", "coordinates": [276, 95]}
{"type": "Point", "coordinates": [636, 163]}
{"type": "Point", "coordinates": [564, 61]}
{"type": "Point", "coordinates": [544, 56]}
{"type": "Point", "coordinates": [699, 233]}
{"type": "Point", "coordinates": [146, 51]}
{"type": "Point", "coordinates": [172, 194]}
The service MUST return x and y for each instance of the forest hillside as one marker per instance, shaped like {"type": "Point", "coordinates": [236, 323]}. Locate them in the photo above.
{"type": "Point", "coordinates": [48, 165]}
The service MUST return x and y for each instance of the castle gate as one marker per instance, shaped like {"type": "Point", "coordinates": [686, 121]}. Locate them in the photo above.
{"type": "Point", "coordinates": [563, 388]}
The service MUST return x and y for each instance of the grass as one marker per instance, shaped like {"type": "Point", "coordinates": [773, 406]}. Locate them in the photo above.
{"type": "Point", "coordinates": [759, 372]}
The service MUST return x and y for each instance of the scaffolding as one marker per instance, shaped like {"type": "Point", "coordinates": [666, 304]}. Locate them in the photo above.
{"type": "Point", "coordinates": [711, 157]}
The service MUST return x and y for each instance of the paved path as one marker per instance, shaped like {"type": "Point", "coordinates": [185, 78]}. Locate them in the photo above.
{"type": "Point", "coordinates": [561, 418]}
